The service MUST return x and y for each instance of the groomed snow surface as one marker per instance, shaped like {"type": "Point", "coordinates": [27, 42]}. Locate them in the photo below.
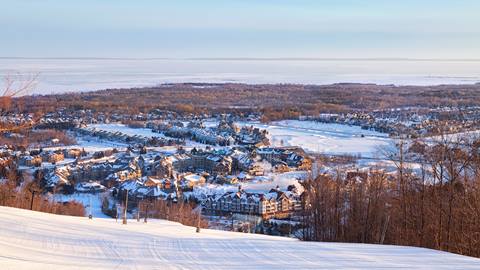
{"type": "Point", "coordinates": [33, 240]}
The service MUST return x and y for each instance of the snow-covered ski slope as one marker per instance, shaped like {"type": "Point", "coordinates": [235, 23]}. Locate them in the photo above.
{"type": "Point", "coordinates": [33, 240]}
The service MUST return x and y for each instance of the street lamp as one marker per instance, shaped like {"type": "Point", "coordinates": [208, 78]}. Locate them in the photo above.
{"type": "Point", "coordinates": [146, 211]}
{"type": "Point", "coordinates": [125, 210]}
{"type": "Point", "coordinates": [199, 217]}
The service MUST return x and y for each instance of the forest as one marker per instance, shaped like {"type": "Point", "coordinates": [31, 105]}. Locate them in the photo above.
{"type": "Point", "coordinates": [274, 101]}
{"type": "Point", "coordinates": [433, 202]}
{"type": "Point", "coordinates": [23, 191]}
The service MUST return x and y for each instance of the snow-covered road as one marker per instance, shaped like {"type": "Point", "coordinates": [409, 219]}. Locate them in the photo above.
{"type": "Point", "coordinates": [33, 240]}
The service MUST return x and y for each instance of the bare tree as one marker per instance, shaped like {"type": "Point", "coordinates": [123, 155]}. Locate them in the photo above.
{"type": "Point", "coordinates": [14, 86]}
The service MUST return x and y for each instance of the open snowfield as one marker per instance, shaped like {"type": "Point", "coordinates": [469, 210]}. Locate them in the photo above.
{"type": "Point", "coordinates": [33, 240]}
{"type": "Point", "coordinates": [325, 138]}
{"type": "Point", "coordinates": [91, 144]}
{"type": "Point", "coordinates": [311, 136]}
{"type": "Point", "coordinates": [92, 202]}
{"type": "Point", "coordinates": [146, 132]}
{"type": "Point", "coordinates": [114, 127]}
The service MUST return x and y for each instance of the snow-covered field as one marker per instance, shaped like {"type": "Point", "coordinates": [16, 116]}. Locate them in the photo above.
{"type": "Point", "coordinates": [92, 144]}
{"type": "Point", "coordinates": [311, 136]}
{"type": "Point", "coordinates": [325, 138]}
{"type": "Point", "coordinates": [146, 132]}
{"type": "Point", "coordinates": [33, 240]}
{"type": "Point", "coordinates": [91, 202]}
{"type": "Point", "coordinates": [114, 127]}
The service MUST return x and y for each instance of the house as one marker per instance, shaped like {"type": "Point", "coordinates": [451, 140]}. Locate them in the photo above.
{"type": "Point", "coordinates": [139, 191]}
{"type": "Point", "coordinates": [287, 156]}
{"type": "Point", "coordinates": [274, 203]}
{"type": "Point", "coordinates": [153, 182]}
{"type": "Point", "coordinates": [190, 180]}
{"type": "Point", "coordinates": [90, 186]}
{"type": "Point", "coordinates": [163, 167]}
{"type": "Point", "coordinates": [213, 163]}
{"type": "Point", "coordinates": [73, 153]}
{"type": "Point", "coordinates": [31, 161]}
{"type": "Point", "coordinates": [55, 157]}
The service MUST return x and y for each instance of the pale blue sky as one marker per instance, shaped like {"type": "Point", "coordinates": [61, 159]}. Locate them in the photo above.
{"type": "Point", "coordinates": [242, 28]}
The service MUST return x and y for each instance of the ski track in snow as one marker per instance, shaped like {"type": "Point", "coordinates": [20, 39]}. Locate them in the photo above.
{"type": "Point", "coordinates": [33, 240]}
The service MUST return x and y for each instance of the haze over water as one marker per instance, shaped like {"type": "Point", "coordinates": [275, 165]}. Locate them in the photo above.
{"type": "Point", "coordinates": [83, 74]}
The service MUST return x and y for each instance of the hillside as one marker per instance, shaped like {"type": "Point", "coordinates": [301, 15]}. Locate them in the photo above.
{"type": "Point", "coordinates": [34, 240]}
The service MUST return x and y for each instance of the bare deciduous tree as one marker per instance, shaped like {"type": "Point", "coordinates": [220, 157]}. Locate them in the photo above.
{"type": "Point", "coordinates": [437, 205]}
{"type": "Point", "coordinates": [14, 86]}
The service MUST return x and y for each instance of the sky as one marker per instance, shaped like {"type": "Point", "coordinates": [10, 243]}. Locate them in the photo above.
{"type": "Point", "coordinates": [437, 29]}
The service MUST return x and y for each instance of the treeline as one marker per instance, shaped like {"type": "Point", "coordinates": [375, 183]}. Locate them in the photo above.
{"type": "Point", "coordinates": [26, 138]}
{"type": "Point", "coordinates": [277, 101]}
{"type": "Point", "coordinates": [182, 212]}
{"type": "Point", "coordinates": [436, 205]}
{"type": "Point", "coordinates": [21, 191]}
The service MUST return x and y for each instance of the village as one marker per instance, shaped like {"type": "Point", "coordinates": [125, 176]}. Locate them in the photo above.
{"type": "Point", "coordinates": [225, 164]}
{"type": "Point", "coordinates": [413, 122]}
{"type": "Point", "coordinates": [214, 167]}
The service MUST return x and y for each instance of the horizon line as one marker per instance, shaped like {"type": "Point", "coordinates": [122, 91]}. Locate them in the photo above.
{"type": "Point", "coordinates": [251, 58]}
